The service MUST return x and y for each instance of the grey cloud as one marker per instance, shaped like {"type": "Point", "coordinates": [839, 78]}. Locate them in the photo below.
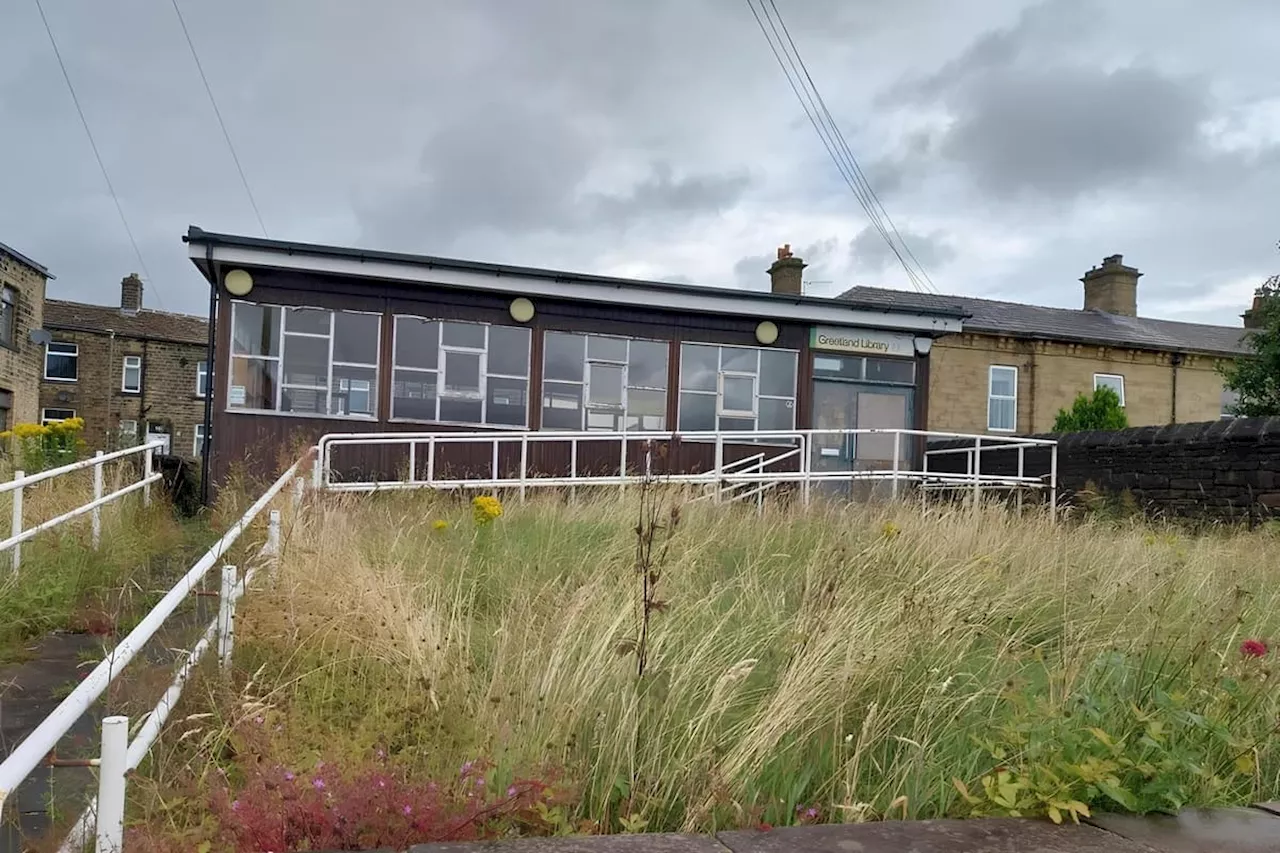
{"type": "Point", "coordinates": [664, 193]}
{"type": "Point", "coordinates": [820, 257]}
{"type": "Point", "coordinates": [870, 254]}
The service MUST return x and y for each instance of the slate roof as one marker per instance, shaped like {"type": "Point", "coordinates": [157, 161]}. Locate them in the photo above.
{"type": "Point", "coordinates": [155, 325]}
{"type": "Point", "coordinates": [1064, 324]}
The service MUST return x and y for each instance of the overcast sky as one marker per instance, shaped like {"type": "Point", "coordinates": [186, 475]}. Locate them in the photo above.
{"type": "Point", "coordinates": [1015, 144]}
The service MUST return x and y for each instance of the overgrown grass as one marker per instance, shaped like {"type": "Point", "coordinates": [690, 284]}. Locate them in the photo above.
{"type": "Point", "coordinates": [828, 663]}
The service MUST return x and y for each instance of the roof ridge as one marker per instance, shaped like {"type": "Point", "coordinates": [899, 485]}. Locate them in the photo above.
{"type": "Point", "coordinates": [119, 310]}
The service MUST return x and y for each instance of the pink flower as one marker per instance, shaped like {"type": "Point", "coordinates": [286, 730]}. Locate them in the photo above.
{"type": "Point", "coordinates": [408, 810]}
{"type": "Point", "coordinates": [1253, 648]}
{"type": "Point", "coordinates": [317, 783]}
{"type": "Point", "coordinates": [235, 805]}
{"type": "Point", "coordinates": [511, 792]}
{"type": "Point", "coordinates": [288, 776]}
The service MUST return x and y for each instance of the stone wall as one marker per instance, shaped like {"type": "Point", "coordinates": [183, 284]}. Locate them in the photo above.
{"type": "Point", "coordinates": [1223, 469]}
{"type": "Point", "coordinates": [22, 361]}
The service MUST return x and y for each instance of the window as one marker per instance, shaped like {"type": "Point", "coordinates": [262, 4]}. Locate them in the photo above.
{"type": "Point", "coordinates": [131, 375]}
{"type": "Point", "coordinates": [1002, 398]}
{"type": "Point", "coordinates": [304, 360]}
{"type": "Point", "coordinates": [6, 409]}
{"type": "Point", "coordinates": [53, 416]}
{"type": "Point", "coordinates": [198, 448]}
{"type": "Point", "coordinates": [202, 378]}
{"type": "Point", "coordinates": [1230, 399]}
{"type": "Point", "coordinates": [128, 433]}
{"type": "Point", "coordinates": [462, 373]}
{"type": "Point", "coordinates": [1114, 381]}
{"type": "Point", "coordinates": [8, 317]}
{"type": "Point", "coordinates": [62, 362]}
{"type": "Point", "coordinates": [606, 383]}
{"type": "Point", "coordinates": [736, 388]}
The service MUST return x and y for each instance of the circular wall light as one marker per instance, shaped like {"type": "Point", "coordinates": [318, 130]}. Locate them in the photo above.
{"type": "Point", "coordinates": [767, 332]}
{"type": "Point", "coordinates": [923, 345]}
{"type": "Point", "coordinates": [238, 282]}
{"type": "Point", "coordinates": [521, 310]}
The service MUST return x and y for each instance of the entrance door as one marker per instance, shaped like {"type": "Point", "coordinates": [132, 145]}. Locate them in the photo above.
{"type": "Point", "coordinates": [846, 406]}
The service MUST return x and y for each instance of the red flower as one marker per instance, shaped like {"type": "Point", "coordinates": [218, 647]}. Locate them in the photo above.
{"type": "Point", "coordinates": [1253, 648]}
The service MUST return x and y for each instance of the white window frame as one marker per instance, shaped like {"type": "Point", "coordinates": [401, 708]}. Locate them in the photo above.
{"type": "Point", "coordinates": [589, 404]}
{"type": "Point", "coordinates": [130, 362]}
{"type": "Point", "coordinates": [1117, 376]}
{"type": "Point", "coordinates": [74, 354]}
{"type": "Point", "coordinates": [202, 379]}
{"type": "Point", "coordinates": [331, 364]}
{"type": "Point", "coordinates": [197, 439]}
{"type": "Point", "coordinates": [122, 432]}
{"type": "Point", "coordinates": [721, 373]}
{"type": "Point", "coordinates": [991, 375]}
{"type": "Point", "coordinates": [45, 420]}
{"type": "Point", "coordinates": [9, 316]}
{"type": "Point", "coordinates": [442, 350]}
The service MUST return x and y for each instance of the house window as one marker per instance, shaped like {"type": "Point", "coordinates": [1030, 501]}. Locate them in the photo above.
{"type": "Point", "coordinates": [1230, 399]}
{"type": "Point", "coordinates": [202, 378]}
{"type": "Point", "coordinates": [128, 433]}
{"type": "Point", "coordinates": [53, 416]}
{"type": "Point", "coordinates": [6, 409]}
{"type": "Point", "coordinates": [736, 388]}
{"type": "Point", "coordinates": [1002, 398]}
{"type": "Point", "coordinates": [131, 375]}
{"type": "Point", "coordinates": [462, 373]}
{"type": "Point", "coordinates": [198, 445]}
{"type": "Point", "coordinates": [62, 362]}
{"type": "Point", "coordinates": [303, 360]}
{"type": "Point", "coordinates": [1114, 381]}
{"type": "Point", "coordinates": [596, 382]}
{"type": "Point", "coordinates": [8, 317]}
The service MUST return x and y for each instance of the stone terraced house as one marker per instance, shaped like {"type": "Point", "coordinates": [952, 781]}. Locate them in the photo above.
{"type": "Point", "coordinates": [22, 288]}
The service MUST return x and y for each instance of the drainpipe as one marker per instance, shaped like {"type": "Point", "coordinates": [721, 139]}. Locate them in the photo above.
{"type": "Point", "coordinates": [208, 377]}
{"type": "Point", "coordinates": [1174, 361]}
{"type": "Point", "coordinates": [142, 390]}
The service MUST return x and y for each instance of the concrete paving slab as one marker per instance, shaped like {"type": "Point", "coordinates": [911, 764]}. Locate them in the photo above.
{"type": "Point", "coordinates": [1199, 830]}
{"type": "Point", "coordinates": [990, 835]}
{"type": "Point", "coordinates": [1273, 807]}
{"type": "Point", "coordinates": [655, 843]}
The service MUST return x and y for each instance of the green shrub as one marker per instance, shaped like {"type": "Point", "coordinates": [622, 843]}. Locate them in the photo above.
{"type": "Point", "coordinates": [1101, 411]}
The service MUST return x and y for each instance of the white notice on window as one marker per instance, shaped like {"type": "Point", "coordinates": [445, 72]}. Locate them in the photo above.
{"type": "Point", "coordinates": [237, 395]}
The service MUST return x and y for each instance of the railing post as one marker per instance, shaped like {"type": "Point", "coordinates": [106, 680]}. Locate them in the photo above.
{"type": "Point", "coordinates": [977, 472]}
{"type": "Point", "coordinates": [719, 464]}
{"type": "Point", "coordinates": [97, 495]}
{"type": "Point", "coordinates": [524, 462]}
{"type": "Point", "coordinates": [573, 468]}
{"type": "Point", "coordinates": [1021, 471]}
{"type": "Point", "coordinates": [806, 464]}
{"type": "Point", "coordinates": [1053, 482]}
{"type": "Point", "coordinates": [147, 463]}
{"type": "Point", "coordinates": [112, 768]}
{"type": "Point", "coordinates": [299, 491]}
{"type": "Point", "coordinates": [413, 461]}
{"type": "Point", "coordinates": [273, 534]}
{"type": "Point", "coordinates": [622, 464]}
{"type": "Point", "coordinates": [17, 519]}
{"type": "Point", "coordinates": [897, 450]}
{"type": "Point", "coordinates": [227, 617]}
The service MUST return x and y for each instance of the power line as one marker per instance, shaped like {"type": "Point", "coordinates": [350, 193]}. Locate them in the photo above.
{"type": "Point", "coordinates": [94, 145]}
{"type": "Point", "coordinates": [832, 139]}
{"type": "Point", "coordinates": [225, 135]}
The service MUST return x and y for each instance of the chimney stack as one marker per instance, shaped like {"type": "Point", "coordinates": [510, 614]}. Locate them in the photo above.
{"type": "Point", "coordinates": [785, 273]}
{"type": "Point", "coordinates": [1112, 288]}
{"type": "Point", "coordinates": [131, 294]}
{"type": "Point", "coordinates": [1253, 318]}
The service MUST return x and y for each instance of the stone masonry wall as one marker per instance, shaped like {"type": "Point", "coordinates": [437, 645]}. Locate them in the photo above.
{"type": "Point", "coordinates": [1223, 469]}
{"type": "Point", "coordinates": [22, 365]}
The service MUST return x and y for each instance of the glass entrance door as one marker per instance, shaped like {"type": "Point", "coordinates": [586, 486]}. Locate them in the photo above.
{"type": "Point", "coordinates": [846, 406]}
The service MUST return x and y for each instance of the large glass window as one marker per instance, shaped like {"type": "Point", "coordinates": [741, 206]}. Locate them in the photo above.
{"type": "Point", "coordinates": [1002, 398]}
{"type": "Point", "coordinates": [62, 362]}
{"type": "Point", "coordinates": [304, 360]}
{"type": "Point", "coordinates": [598, 382]}
{"type": "Point", "coordinates": [736, 388]}
{"type": "Point", "coordinates": [463, 373]}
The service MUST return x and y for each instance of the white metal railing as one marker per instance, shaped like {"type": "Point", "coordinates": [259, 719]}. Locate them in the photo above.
{"type": "Point", "coordinates": [119, 754]}
{"type": "Point", "coordinates": [797, 445]}
{"type": "Point", "coordinates": [21, 480]}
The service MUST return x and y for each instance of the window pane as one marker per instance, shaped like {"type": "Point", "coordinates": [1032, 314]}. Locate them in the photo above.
{"type": "Point", "coordinates": [739, 394]}
{"type": "Point", "coordinates": [1115, 383]}
{"type": "Point", "coordinates": [698, 368]}
{"type": "Point", "coordinates": [561, 406]}
{"type": "Point", "coordinates": [132, 375]}
{"type": "Point", "coordinates": [202, 378]}
{"type": "Point", "coordinates": [1003, 382]}
{"type": "Point", "coordinates": [253, 383]}
{"type": "Point", "coordinates": [354, 391]}
{"type": "Point", "coordinates": [1000, 413]}
{"type": "Point", "coordinates": [58, 366]}
{"type": "Point", "coordinates": [607, 349]}
{"type": "Point", "coordinates": [413, 395]}
{"type": "Point", "coordinates": [891, 370]}
{"type": "Point", "coordinates": [461, 411]}
{"type": "Point", "coordinates": [605, 385]}
{"type": "Point", "coordinates": [306, 361]}
{"type": "Point", "coordinates": [314, 321]}
{"type": "Point", "coordinates": [648, 364]}
{"type": "Point", "coordinates": [697, 412]}
{"type": "Point", "coordinates": [463, 335]}
{"type": "Point", "coordinates": [508, 402]}
{"type": "Point", "coordinates": [562, 356]}
{"type": "Point", "coordinates": [255, 329]}
{"type": "Point", "coordinates": [738, 358]}
{"type": "Point", "coordinates": [777, 373]}
{"type": "Point", "coordinates": [604, 420]}
{"type": "Point", "coordinates": [305, 400]}
{"type": "Point", "coordinates": [417, 342]}
{"type": "Point", "coordinates": [738, 424]}
{"type": "Point", "coordinates": [646, 409]}
{"type": "Point", "coordinates": [777, 414]}
{"type": "Point", "coordinates": [462, 373]}
{"type": "Point", "coordinates": [508, 351]}
{"type": "Point", "coordinates": [843, 366]}
{"type": "Point", "coordinates": [355, 337]}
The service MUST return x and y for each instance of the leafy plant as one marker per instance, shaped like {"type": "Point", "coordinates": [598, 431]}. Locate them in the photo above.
{"type": "Point", "coordinates": [1255, 376]}
{"type": "Point", "coordinates": [1100, 411]}
{"type": "Point", "coordinates": [35, 447]}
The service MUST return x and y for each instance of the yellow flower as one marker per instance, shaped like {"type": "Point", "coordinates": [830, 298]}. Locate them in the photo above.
{"type": "Point", "coordinates": [30, 430]}
{"type": "Point", "coordinates": [439, 524]}
{"type": "Point", "coordinates": [6, 435]}
{"type": "Point", "coordinates": [485, 509]}
{"type": "Point", "coordinates": [890, 530]}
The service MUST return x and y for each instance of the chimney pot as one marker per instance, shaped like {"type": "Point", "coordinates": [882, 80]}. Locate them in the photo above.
{"type": "Point", "coordinates": [785, 275]}
{"type": "Point", "coordinates": [131, 294]}
{"type": "Point", "coordinates": [1112, 288]}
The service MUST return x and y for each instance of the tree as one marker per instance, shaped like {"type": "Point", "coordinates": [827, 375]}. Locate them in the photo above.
{"type": "Point", "coordinates": [1255, 376]}
{"type": "Point", "coordinates": [1101, 411]}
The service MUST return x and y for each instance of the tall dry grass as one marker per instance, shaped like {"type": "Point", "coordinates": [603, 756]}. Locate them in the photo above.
{"type": "Point", "coordinates": [850, 660]}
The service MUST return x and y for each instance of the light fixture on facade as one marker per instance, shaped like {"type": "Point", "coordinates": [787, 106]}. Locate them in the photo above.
{"type": "Point", "coordinates": [521, 310]}
{"type": "Point", "coordinates": [923, 345]}
{"type": "Point", "coordinates": [767, 332]}
{"type": "Point", "coordinates": [238, 282]}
